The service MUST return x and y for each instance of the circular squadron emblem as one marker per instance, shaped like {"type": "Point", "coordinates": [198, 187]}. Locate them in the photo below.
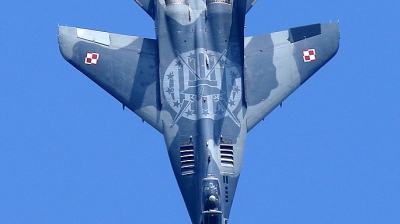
{"type": "Point", "coordinates": [202, 84]}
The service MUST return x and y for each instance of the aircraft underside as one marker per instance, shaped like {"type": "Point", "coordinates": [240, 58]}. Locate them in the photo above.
{"type": "Point", "coordinates": [201, 84]}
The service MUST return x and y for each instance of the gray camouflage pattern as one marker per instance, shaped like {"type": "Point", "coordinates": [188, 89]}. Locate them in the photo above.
{"type": "Point", "coordinates": [201, 84]}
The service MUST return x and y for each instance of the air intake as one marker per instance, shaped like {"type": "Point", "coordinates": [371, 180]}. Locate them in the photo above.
{"type": "Point", "coordinates": [187, 160]}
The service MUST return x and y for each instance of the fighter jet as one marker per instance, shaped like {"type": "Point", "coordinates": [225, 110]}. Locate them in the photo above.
{"type": "Point", "coordinates": [202, 84]}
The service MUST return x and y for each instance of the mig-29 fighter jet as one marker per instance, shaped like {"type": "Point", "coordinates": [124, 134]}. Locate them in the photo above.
{"type": "Point", "coordinates": [202, 85]}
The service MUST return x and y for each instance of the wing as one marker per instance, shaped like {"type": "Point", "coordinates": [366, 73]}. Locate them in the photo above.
{"type": "Point", "coordinates": [276, 64]}
{"type": "Point", "coordinates": [125, 66]}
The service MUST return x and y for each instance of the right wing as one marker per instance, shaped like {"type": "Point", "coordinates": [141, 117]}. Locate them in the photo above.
{"type": "Point", "coordinates": [276, 64]}
{"type": "Point", "coordinates": [125, 66]}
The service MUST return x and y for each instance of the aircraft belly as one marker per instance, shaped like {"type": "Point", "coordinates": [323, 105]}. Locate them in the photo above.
{"type": "Point", "coordinates": [202, 85]}
{"type": "Point", "coordinates": [201, 76]}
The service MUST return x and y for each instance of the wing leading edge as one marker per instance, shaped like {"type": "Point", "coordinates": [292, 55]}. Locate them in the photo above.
{"type": "Point", "coordinates": [125, 66]}
{"type": "Point", "coordinates": [276, 64]}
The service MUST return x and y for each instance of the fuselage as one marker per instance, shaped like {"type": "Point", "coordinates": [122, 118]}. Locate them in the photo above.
{"type": "Point", "coordinates": [201, 87]}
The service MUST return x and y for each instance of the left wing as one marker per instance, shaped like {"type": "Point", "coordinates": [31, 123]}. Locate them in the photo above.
{"type": "Point", "coordinates": [276, 64]}
{"type": "Point", "coordinates": [125, 66]}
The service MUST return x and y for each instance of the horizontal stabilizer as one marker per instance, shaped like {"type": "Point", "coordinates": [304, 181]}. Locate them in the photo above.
{"type": "Point", "coordinates": [276, 64]}
{"type": "Point", "coordinates": [125, 66]}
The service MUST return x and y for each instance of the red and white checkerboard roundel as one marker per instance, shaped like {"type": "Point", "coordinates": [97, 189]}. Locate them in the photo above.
{"type": "Point", "coordinates": [91, 58]}
{"type": "Point", "coordinates": [309, 55]}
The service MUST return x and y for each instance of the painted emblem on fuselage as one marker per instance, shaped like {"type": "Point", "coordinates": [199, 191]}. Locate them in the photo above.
{"type": "Point", "coordinates": [203, 84]}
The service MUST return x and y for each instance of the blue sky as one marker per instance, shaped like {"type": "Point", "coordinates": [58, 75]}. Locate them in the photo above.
{"type": "Point", "coordinates": [70, 154]}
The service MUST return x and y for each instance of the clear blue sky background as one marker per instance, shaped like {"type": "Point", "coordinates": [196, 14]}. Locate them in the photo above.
{"type": "Point", "coordinates": [69, 154]}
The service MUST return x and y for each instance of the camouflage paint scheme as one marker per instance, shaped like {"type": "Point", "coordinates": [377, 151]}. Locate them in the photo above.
{"type": "Point", "coordinates": [201, 84]}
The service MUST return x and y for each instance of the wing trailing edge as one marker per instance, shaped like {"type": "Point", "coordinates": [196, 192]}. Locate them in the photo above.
{"type": "Point", "coordinates": [277, 64]}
